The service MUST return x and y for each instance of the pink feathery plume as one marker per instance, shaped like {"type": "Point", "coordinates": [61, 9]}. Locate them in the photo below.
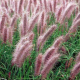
{"type": "Point", "coordinates": [77, 10]}
{"type": "Point", "coordinates": [58, 42]}
{"type": "Point", "coordinates": [20, 7]}
{"type": "Point", "coordinates": [44, 4]}
{"type": "Point", "coordinates": [18, 46]}
{"type": "Point", "coordinates": [54, 7]}
{"type": "Point", "coordinates": [21, 52]}
{"type": "Point", "coordinates": [18, 54]}
{"type": "Point", "coordinates": [68, 10]}
{"type": "Point", "coordinates": [50, 4]}
{"type": "Point", "coordinates": [33, 10]}
{"type": "Point", "coordinates": [75, 25]}
{"type": "Point", "coordinates": [42, 22]}
{"type": "Point", "coordinates": [4, 34]}
{"type": "Point", "coordinates": [3, 22]}
{"type": "Point", "coordinates": [23, 49]}
{"type": "Point", "coordinates": [25, 2]}
{"type": "Point", "coordinates": [49, 53]}
{"type": "Point", "coordinates": [38, 64]}
{"type": "Point", "coordinates": [74, 71]}
{"type": "Point", "coordinates": [25, 54]}
{"type": "Point", "coordinates": [31, 36]}
{"type": "Point", "coordinates": [36, 10]}
{"type": "Point", "coordinates": [39, 20]}
{"type": "Point", "coordinates": [33, 22]}
{"type": "Point", "coordinates": [72, 30]}
{"type": "Point", "coordinates": [53, 49]}
{"type": "Point", "coordinates": [49, 65]}
{"type": "Point", "coordinates": [28, 6]}
{"type": "Point", "coordinates": [25, 23]}
{"type": "Point", "coordinates": [41, 4]}
{"type": "Point", "coordinates": [21, 42]}
{"type": "Point", "coordinates": [47, 9]}
{"type": "Point", "coordinates": [76, 18]}
{"type": "Point", "coordinates": [16, 6]}
{"type": "Point", "coordinates": [43, 38]}
{"type": "Point", "coordinates": [58, 13]}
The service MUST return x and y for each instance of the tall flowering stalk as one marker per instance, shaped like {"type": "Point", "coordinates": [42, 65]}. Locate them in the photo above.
{"type": "Point", "coordinates": [33, 22]}
{"type": "Point", "coordinates": [43, 38]}
{"type": "Point", "coordinates": [21, 53]}
{"type": "Point", "coordinates": [49, 65]}
{"type": "Point", "coordinates": [4, 34]}
{"type": "Point", "coordinates": [38, 64]}
{"type": "Point", "coordinates": [20, 8]}
{"type": "Point", "coordinates": [27, 25]}
{"type": "Point", "coordinates": [49, 58]}
{"type": "Point", "coordinates": [2, 23]}
{"type": "Point", "coordinates": [42, 23]}
{"type": "Point", "coordinates": [7, 27]}
{"type": "Point", "coordinates": [31, 12]}
{"type": "Point", "coordinates": [45, 68]}
{"type": "Point", "coordinates": [67, 12]}
{"type": "Point", "coordinates": [73, 28]}
{"type": "Point", "coordinates": [53, 49]}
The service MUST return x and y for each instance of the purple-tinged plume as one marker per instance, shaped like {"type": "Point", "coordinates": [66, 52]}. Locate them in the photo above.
{"type": "Point", "coordinates": [49, 65]}
{"type": "Point", "coordinates": [23, 50]}
{"type": "Point", "coordinates": [33, 22]}
{"type": "Point", "coordinates": [68, 11]}
{"type": "Point", "coordinates": [75, 71]}
{"type": "Point", "coordinates": [3, 22]}
{"type": "Point", "coordinates": [43, 38]}
{"type": "Point", "coordinates": [38, 64]}
{"type": "Point", "coordinates": [76, 18]}
{"type": "Point", "coordinates": [20, 8]}
{"type": "Point", "coordinates": [72, 30]}
{"type": "Point", "coordinates": [48, 54]}
{"type": "Point", "coordinates": [4, 34]}
{"type": "Point", "coordinates": [58, 42]}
